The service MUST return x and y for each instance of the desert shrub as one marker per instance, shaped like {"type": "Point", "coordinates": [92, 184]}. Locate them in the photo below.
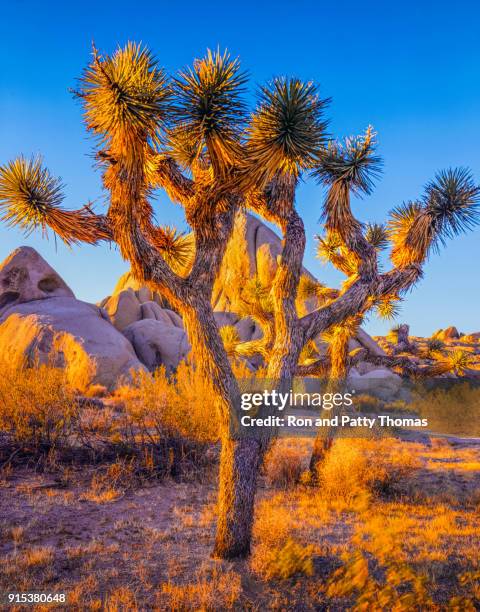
{"type": "Point", "coordinates": [95, 390]}
{"type": "Point", "coordinates": [345, 476]}
{"type": "Point", "coordinates": [166, 422]}
{"type": "Point", "coordinates": [284, 464]}
{"type": "Point", "coordinates": [283, 561]}
{"type": "Point", "coordinates": [469, 339]}
{"type": "Point", "coordinates": [37, 406]}
{"type": "Point", "coordinates": [353, 471]}
{"type": "Point", "coordinates": [110, 481]}
{"type": "Point", "coordinates": [394, 465]}
{"type": "Point", "coordinates": [158, 422]}
{"type": "Point", "coordinates": [367, 403]}
{"type": "Point", "coordinates": [435, 345]}
{"type": "Point", "coordinates": [161, 406]}
{"type": "Point", "coordinates": [452, 408]}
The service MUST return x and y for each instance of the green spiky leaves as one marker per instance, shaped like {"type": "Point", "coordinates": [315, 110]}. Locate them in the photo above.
{"type": "Point", "coordinates": [449, 207]}
{"type": "Point", "coordinates": [377, 235]}
{"type": "Point", "coordinates": [353, 163]}
{"type": "Point", "coordinates": [177, 248]}
{"type": "Point", "coordinates": [28, 192]}
{"type": "Point", "coordinates": [351, 167]}
{"type": "Point", "coordinates": [452, 202]}
{"type": "Point", "coordinates": [287, 130]}
{"type": "Point", "coordinates": [209, 111]}
{"type": "Point", "coordinates": [125, 96]}
{"type": "Point", "coordinates": [31, 198]}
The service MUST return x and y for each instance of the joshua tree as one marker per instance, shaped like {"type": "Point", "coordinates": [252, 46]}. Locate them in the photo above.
{"type": "Point", "coordinates": [190, 135]}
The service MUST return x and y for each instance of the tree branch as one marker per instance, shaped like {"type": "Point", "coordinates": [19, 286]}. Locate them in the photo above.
{"type": "Point", "coordinates": [353, 300]}
{"type": "Point", "coordinates": [211, 239]}
{"type": "Point", "coordinates": [320, 367]}
{"type": "Point", "coordinates": [168, 175]}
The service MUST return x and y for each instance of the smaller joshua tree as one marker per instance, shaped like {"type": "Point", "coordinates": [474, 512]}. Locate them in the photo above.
{"type": "Point", "coordinates": [191, 136]}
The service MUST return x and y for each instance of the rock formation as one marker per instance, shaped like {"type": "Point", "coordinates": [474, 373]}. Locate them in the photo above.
{"type": "Point", "coordinates": [25, 276]}
{"type": "Point", "coordinates": [450, 333]}
{"type": "Point", "coordinates": [41, 320]}
{"type": "Point", "coordinates": [157, 342]}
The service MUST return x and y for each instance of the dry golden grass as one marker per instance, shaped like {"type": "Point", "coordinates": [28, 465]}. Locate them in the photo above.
{"type": "Point", "coordinates": [120, 600]}
{"type": "Point", "coordinates": [39, 556]}
{"type": "Point", "coordinates": [149, 548]}
{"type": "Point", "coordinates": [355, 470]}
{"type": "Point", "coordinates": [210, 590]}
{"type": "Point", "coordinates": [161, 405]}
{"type": "Point", "coordinates": [157, 425]}
{"type": "Point", "coordinates": [48, 410]}
{"type": "Point", "coordinates": [284, 463]}
{"type": "Point", "coordinates": [283, 561]}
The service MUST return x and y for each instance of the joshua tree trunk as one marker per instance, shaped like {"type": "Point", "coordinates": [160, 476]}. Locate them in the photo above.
{"type": "Point", "coordinates": [240, 457]}
{"type": "Point", "coordinates": [338, 352]}
{"type": "Point", "coordinates": [239, 465]}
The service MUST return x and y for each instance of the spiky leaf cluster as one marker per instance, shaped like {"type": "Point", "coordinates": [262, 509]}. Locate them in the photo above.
{"type": "Point", "coordinates": [125, 97]}
{"type": "Point", "coordinates": [177, 248]}
{"type": "Point", "coordinates": [388, 307]}
{"type": "Point", "coordinates": [287, 130]}
{"type": "Point", "coordinates": [230, 339]}
{"type": "Point", "coordinates": [345, 168]}
{"type": "Point", "coordinates": [401, 222]}
{"type": "Point", "coordinates": [353, 163]}
{"type": "Point", "coordinates": [331, 249]}
{"type": "Point", "coordinates": [460, 361]}
{"type": "Point", "coordinates": [449, 207]}
{"type": "Point", "coordinates": [377, 235]}
{"type": "Point", "coordinates": [31, 198]}
{"type": "Point", "coordinates": [308, 287]}
{"type": "Point", "coordinates": [309, 353]}
{"type": "Point", "coordinates": [342, 331]}
{"type": "Point", "coordinates": [209, 111]}
{"type": "Point", "coordinates": [256, 301]}
{"type": "Point", "coordinates": [456, 362]}
{"type": "Point", "coordinates": [311, 289]}
{"type": "Point", "coordinates": [452, 202]}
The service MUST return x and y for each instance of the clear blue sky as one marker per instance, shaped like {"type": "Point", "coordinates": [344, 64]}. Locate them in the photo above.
{"type": "Point", "coordinates": [411, 69]}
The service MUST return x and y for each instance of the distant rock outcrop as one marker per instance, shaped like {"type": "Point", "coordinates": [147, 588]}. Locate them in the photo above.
{"type": "Point", "coordinates": [450, 333]}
